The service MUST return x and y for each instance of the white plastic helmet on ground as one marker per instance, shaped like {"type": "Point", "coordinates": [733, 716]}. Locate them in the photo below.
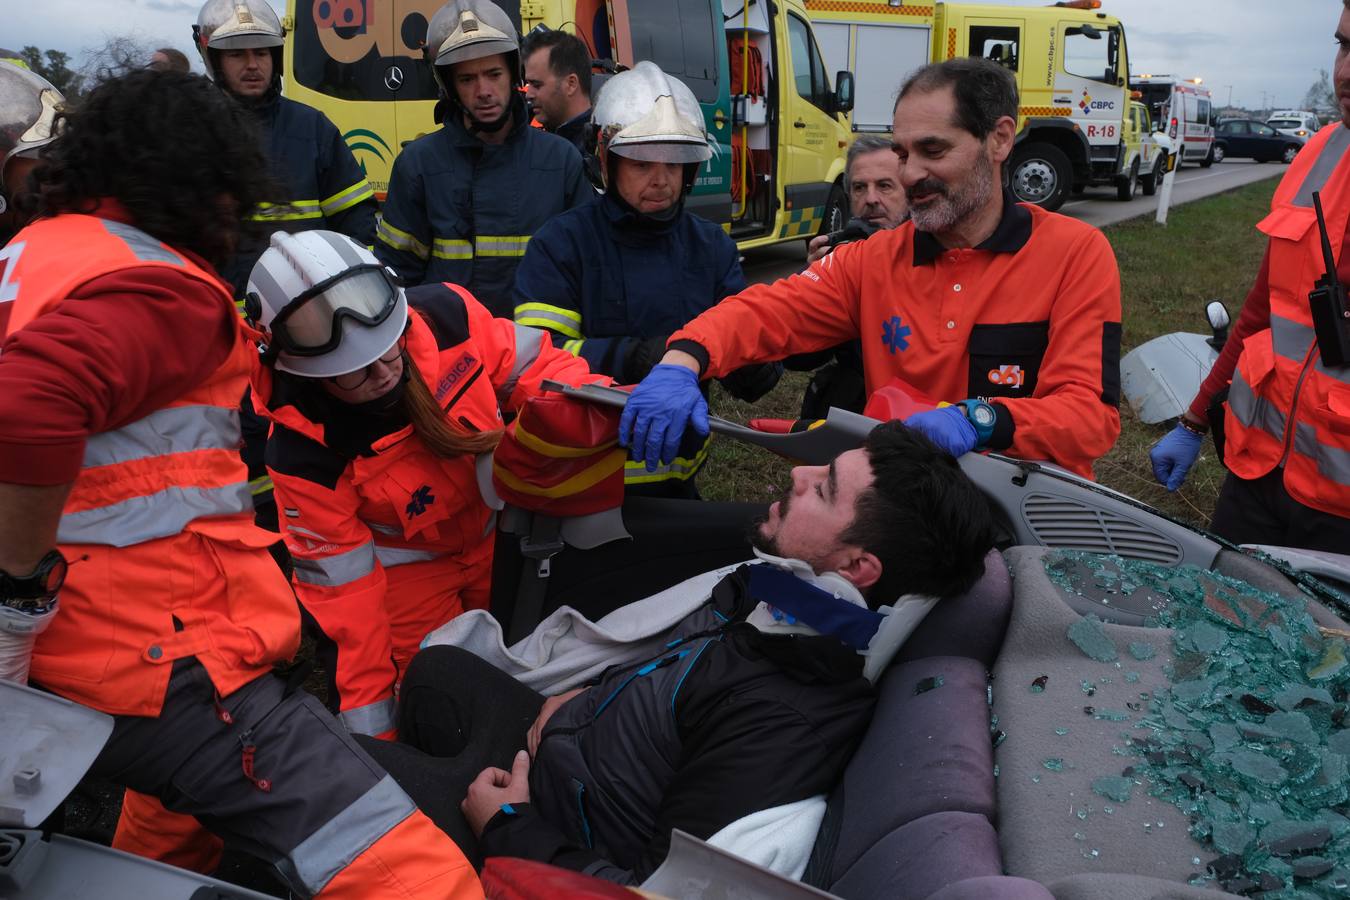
{"type": "Point", "coordinates": [328, 305]}
{"type": "Point", "coordinates": [646, 115]}
{"type": "Point", "coordinates": [28, 107]}
{"type": "Point", "coordinates": [237, 25]}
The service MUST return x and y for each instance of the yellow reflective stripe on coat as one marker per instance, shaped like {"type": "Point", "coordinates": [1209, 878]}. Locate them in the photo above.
{"type": "Point", "coordinates": [573, 347]}
{"type": "Point", "coordinates": [565, 321]}
{"type": "Point", "coordinates": [500, 244]}
{"type": "Point", "coordinates": [451, 248]}
{"type": "Point", "coordinates": [557, 451]}
{"type": "Point", "coordinates": [260, 485]}
{"type": "Point", "coordinates": [400, 240]}
{"type": "Point", "coordinates": [347, 198]}
{"type": "Point", "coordinates": [294, 211]}
{"type": "Point", "coordinates": [582, 481]}
{"type": "Point", "coordinates": [680, 469]}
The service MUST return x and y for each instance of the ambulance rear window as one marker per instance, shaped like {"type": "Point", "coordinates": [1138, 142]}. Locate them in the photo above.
{"type": "Point", "coordinates": [678, 36]}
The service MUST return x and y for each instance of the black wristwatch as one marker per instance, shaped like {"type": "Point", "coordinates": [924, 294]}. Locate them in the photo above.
{"type": "Point", "coordinates": [36, 591]}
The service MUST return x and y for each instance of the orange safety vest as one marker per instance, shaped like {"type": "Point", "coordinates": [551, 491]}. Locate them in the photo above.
{"type": "Point", "coordinates": [1286, 407]}
{"type": "Point", "coordinates": [165, 561]}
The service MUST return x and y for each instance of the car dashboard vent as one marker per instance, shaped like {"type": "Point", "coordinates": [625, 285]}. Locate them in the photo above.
{"type": "Point", "coordinates": [1068, 524]}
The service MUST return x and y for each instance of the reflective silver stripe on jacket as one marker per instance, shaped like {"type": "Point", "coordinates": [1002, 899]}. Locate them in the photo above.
{"type": "Point", "coordinates": [347, 835]}
{"type": "Point", "coordinates": [141, 244]}
{"type": "Point", "coordinates": [399, 556]}
{"type": "Point", "coordinates": [1290, 339]}
{"type": "Point", "coordinates": [334, 571]}
{"type": "Point", "coordinates": [177, 429]}
{"type": "Point", "coordinates": [1256, 412]}
{"type": "Point", "coordinates": [373, 718]}
{"type": "Point", "coordinates": [157, 515]}
{"type": "Point", "coordinates": [528, 342]}
{"type": "Point", "coordinates": [1326, 163]}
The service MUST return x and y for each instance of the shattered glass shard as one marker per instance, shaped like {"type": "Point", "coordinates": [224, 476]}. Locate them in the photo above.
{"type": "Point", "coordinates": [1142, 650]}
{"type": "Point", "coordinates": [1113, 787]}
{"type": "Point", "coordinates": [1054, 764]}
{"type": "Point", "coordinates": [927, 684]}
{"type": "Point", "coordinates": [1257, 765]}
{"type": "Point", "coordinates": [1331, 663]}
{"type": "Point", "coordinates": [1090, 637]}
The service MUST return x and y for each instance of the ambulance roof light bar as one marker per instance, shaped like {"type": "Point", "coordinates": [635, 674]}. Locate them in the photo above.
{"type": "Point", "coordinates": [1079, 4]}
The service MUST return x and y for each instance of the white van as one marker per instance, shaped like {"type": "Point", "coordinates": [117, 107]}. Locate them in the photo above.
{"type": "Point", "coordinates": [1294, 122]}
{"type": "Point", "coordinates": [1182, 109]}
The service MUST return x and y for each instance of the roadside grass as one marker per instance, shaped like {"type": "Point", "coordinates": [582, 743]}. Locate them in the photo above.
{"type": "Point", "coordinates": [1209, 249]}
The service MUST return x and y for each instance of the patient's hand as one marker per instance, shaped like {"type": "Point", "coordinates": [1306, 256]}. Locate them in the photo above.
{"type": "Point", "coordinates": [546, 712]}
{"type": "Point", "coordinates": [494, 788]}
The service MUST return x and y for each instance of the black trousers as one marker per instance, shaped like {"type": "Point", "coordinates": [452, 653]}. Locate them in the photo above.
{"type": "Point", "coordinates": [458, 715]}
{"type": "Point", "coordinates": [1260, 511]}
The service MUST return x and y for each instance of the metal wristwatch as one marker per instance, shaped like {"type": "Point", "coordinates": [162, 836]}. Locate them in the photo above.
{"type": "Point", "coordinates": [983, 417]}
{"type": "Point", "coordinates": [36, 591]}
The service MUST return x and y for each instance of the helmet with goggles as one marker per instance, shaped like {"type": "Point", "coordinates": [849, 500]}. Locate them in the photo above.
{"type": "Point", "coordinates": [28, 108]}
{"type": "Point", "coordinates": [326, 304]}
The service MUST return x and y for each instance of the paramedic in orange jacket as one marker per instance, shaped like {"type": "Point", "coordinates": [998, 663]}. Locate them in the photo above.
{"type": "Point", "coordinates": [119, 452]}
{"type": "Point", "coordinates": [381, 451]}
{"type": "Point", "coordinates": [1007, 311]}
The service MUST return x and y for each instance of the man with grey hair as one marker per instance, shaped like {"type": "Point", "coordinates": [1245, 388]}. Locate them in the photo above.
{"type": "Point", "coordinates": [1009, 313]}
{"type": "Point", "coordinates": [876, 199]}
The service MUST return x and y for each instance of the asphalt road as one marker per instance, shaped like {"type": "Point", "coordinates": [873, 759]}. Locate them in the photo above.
{"type": "Point", "coordinates": [1097, 206]}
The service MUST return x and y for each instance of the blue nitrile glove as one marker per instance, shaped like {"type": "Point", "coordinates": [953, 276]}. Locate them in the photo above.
{"type": "Point", "coordinates": [1173, 456]}
{"type": "Point", "coordinates": [661, 407]}
{"type": "Point", "coordinates": [947, 427]}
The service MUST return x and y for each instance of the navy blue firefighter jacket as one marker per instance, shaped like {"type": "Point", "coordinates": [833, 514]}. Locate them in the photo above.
{"type": "Point", "coordinates": [462, 210]}
{"type": "Point", "coordinates": [602, 280]}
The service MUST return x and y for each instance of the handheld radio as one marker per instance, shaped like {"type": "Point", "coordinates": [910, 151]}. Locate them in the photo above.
{"type": "Point", "coordinates": [1327, 301]}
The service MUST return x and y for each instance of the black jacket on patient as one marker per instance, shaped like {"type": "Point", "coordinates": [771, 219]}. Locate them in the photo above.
{"type": "Point", "coordinates": [726, 721]}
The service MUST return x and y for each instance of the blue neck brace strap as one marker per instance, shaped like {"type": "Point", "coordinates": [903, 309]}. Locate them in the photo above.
{"type": "Point", "coordinates": [826, 613]}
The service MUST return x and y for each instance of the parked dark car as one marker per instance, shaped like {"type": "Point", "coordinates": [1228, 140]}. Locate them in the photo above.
{"type": "Point", "coordinates": [1254, 140]}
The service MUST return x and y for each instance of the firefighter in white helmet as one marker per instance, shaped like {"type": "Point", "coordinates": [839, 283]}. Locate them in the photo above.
{"type": "Point", "coordinates": [464, 200]}
{"type": "Point", "coordinates": [613, 280]}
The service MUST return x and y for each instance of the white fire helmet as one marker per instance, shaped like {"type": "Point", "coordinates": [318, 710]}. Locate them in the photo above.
{"type": "Point", "coordinates": [28, 107]}
{"type": "Point", "coordinates": [327, 304]}
{"type": "Point", "coordinates": [646, 115]}
{"type": "Point", "coordinates": [462, 30]}
{"type": "Point", "coordinates": [238, 25]}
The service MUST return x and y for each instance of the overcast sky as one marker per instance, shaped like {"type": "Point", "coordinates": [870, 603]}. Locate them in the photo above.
{"type": "Point", "coordinates": [1268, 53]}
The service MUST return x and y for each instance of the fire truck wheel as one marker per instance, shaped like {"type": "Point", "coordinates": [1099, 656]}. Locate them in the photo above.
{"type": "Point", "coordinates": [1041, 174]}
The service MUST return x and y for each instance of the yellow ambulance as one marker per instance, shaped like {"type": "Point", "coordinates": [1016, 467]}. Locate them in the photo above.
{"type": "Point", "coordinates": [777, 115]}
{"type": "Point", "coordinates": [1069, 59]}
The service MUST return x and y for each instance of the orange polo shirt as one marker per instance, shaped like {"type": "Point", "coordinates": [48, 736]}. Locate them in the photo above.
{"type": "Point", "coordinates": [1028, 320]}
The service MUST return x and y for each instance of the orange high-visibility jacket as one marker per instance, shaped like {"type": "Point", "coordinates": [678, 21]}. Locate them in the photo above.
{"type": "Point", "coordinates": [165, 559]}
{"type": "Point", "coordinates": [1286, 407]}
{"type": "Point", "coordinates": [389, 540]}
{"type": "Point", "coordinates": [1029, 320]}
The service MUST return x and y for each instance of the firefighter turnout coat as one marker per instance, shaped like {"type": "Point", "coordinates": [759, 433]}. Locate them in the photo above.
{"type": "Point", "coordinates": [462, 210]}
{"type": "Point", "coordinates": [389, 540]}
{"type": "Point", "coordinates": [1286, 407]}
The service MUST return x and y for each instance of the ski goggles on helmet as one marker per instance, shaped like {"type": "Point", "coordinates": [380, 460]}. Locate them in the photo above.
{"type": "Point", "coordinates": [311, 324]}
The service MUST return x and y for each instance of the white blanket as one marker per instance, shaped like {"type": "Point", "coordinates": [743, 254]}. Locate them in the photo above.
{"type": "Point", "coordinates": [567, 649]}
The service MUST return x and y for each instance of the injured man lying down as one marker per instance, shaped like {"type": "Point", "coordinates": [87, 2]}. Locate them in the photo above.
{"type": "Point", "coordinates": [698, 707]}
